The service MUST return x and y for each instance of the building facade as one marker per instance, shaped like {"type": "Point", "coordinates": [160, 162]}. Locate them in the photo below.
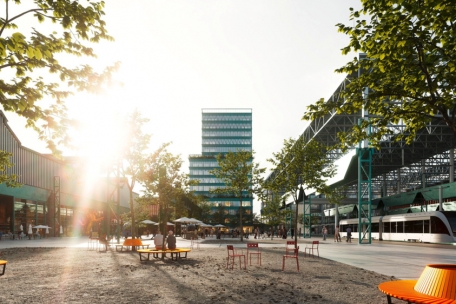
{"type": "Point", "coordinates": [56, 193]}
{"type": "Point", "coordinates": [223, 131]}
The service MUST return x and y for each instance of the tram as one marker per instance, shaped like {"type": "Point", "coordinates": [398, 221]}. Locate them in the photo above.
{"type": "Point", "coordinates": [427, 227]}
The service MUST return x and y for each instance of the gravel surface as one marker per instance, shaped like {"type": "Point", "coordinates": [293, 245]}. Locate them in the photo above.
{"type": "Point", "coordinates": [74, 275]}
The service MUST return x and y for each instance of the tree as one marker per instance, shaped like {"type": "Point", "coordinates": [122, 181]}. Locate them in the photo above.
{"type": "Point", "coordinates": [409, 69]}
{"type": "Point", "coordinates": [26, 57]}
{"type": "Point", "coordinates": [272, 213]}
{"type": "Point", "coordinates": [9, 179]}
{"type": "Point", "coordinates": [241, 176]}
{"type": "Point", "coordinates": [300, 164]}
{"type": "Point", "coordinates": [163, 180]}
{"type": "Point", "coordinates": [133, 158]}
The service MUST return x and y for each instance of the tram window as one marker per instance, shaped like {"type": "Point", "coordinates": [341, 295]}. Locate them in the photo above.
{"type": "Point", "coordinates": [413, 227]}
{"type": "Point", "coordinates": [399, 227]}
{"type": "Point", "coordinates": [386, 227]}
{"type": "Point", "coordinates": [426, 226]}
{"type": "Point", "coordinates": [437, 226]}
{"type": "Point", "coordinates": [375, 227]}
{"type": "Point", "coordinates": [355, 228]}
{"type": "Point", "coordinates": [451, 217]}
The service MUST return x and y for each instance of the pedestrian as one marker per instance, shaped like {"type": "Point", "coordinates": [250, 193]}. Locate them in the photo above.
{"type": "Point", "coordinates": [349, 235]}
{"type": "Point", "coordinates": [325, 232]}
{"type": "Point", "coordinates": [337, 234]}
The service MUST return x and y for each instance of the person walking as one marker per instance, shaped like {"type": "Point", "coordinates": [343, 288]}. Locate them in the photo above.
{"type": "Point", "coordinates": [337, 234]}
{"type": "Point", "coordinates": [325, 232]}
{"type": "Point", "coordinates": [349, 235]}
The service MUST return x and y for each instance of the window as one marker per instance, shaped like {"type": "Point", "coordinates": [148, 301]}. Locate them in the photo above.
{"type": "Point", "coordinates": [437, 226]}
{"type": "Point", "coordinates": [386, 227]}
{"type": "Point", "coordinates": [413, 227]}
{"type": "Point", "coordinates": [375, 227]}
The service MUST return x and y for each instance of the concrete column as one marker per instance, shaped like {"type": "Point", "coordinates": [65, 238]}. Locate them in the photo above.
{"type": "Point", "coordinates": [423, 175]}
{"type": "Point", "coordinates": [336, 216]}
{"type": "Point", "coordinates": [451, 165]}
{"type": "Point", "coordinates": [384, 186]}
{"type": "Point", "coordinates": [440, 198]}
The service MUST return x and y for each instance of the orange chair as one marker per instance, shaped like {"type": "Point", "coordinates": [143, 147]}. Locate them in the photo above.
{"type": "Point", "coordinates": [232, 255]}
{"type": "Point", "coordinates": [291, 256]}
{"type": "Point", "coordinates": [252, 248]}
{"type": "Point", "coordinates": [312, 249]}
{"type": "Point", "coordinates": [3, 262]}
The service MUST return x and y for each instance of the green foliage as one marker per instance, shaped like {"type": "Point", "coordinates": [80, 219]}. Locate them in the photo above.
{"type": "Point", "coordinates": [163, 180]}
{"type": "Point", "coordinates": [133, 158]}
{"type": "Point", "coordinates": [272, 213]}
{"type": "Point", "coordinates": [9, 179]}
{"type": "Point", "coordinates": [240, 174]}
{"type": "Point", "coordinates": [409, 68]}
{"type": "Point", "coordinates": [26, 56]}
{"type": "Point", "coordinates": [300, 163]}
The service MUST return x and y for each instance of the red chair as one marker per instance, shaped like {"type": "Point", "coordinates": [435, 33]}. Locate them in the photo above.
{"type": "Point", "coordinates": [290, 247]}
{"type": "Point", "coordinates": [291, 256]}
{"type": "Point", "coordinates": [252, 248]}
{"type": "Point", "coordinates": [312, 249]}
{"type": "Point", "coordinates": [232, 254]}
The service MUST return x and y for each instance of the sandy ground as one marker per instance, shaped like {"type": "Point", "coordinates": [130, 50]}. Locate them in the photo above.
{"type": "Point", "coordinates": [76, 275]}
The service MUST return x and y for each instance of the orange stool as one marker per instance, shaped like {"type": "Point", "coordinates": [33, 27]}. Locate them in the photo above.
{"type": "Point", "coordinates": [435, 285]}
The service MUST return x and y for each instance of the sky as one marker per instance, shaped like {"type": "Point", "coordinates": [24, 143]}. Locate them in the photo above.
{"type": "Point", "coordinates": [178, 57]}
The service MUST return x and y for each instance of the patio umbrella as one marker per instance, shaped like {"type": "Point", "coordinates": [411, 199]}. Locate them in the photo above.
{"type": "Point", "coordinates": [30, 231]}
{"type": "Point", "coordinates": [21, 228]}
{"type": "Point", "coordinates": [47, 229]}
{"type": "Point", "coordinates": [194, 221]}
{"type": "Point", "coordinates": [148, 222]}
{"type": "Point", "coordinates": [167, 224]}
{"type": "Point", "coordinates": [40, 227]}
{"type": "Point", "coordinates": [219, 226]}
{"type": "Point", "coordinates": [182, 220]}
{"type": "Point", "coordinates": [61, 230]}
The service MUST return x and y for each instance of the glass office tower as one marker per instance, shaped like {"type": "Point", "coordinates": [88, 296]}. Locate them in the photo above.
{"type": "Point", "coordinates": [223, 130]}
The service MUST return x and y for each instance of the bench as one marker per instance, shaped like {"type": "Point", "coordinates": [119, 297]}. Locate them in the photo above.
{"type": "Point", "coordinates": [130, 243]}
{"type": "Point", "coordinates": [435, 285]}
{"type": "Point", "coordinates": [3, 262]}
{"type": "Point", "coordinates": [175, 253]}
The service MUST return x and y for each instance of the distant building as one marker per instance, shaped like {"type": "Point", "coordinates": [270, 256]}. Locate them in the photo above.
{"type": "Point", "coordinates": [223, 130]}
{"type": "Point", "coordinates": [57, 193]}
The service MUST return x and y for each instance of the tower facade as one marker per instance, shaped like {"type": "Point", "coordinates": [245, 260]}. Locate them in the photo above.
{"type": "Point", "coordinates": [223, 131]}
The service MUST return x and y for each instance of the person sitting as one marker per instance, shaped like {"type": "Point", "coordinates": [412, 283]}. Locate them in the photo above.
{"type": "Point", "coordinates": [22, 235]}
{"type": "Point", "coordinates": [171, 240]}
{"type": "Point", "coordinates": [158, 241]}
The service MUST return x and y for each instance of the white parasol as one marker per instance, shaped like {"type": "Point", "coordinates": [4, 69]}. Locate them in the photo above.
{"type": "Point", "coordinates": [219, 226]}
{"type": "Point", "coordinates": [21, 228]}
{"type": "Point", "coordinates": [167, 224]}
{"type": "Point", "coordinates": [148, 222]}
{"type": "Point", "coordinates": [40, 227]}
{"type": "Point", "coordinates": [182, 220]}
{"type": "Point", "coordinates": [47, 229]}
{"type": "Point", "coordinates": [61, 230]}
{"type": "Point", "coordinates": [30, 231]}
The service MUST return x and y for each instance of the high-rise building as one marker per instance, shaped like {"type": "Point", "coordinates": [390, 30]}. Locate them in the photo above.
{"type": "Point", "coordinates": [223, 130]}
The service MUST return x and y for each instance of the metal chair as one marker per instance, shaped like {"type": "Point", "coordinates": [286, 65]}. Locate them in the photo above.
{"type": "Point", "coordinates": [291, 256]}
{"type": "Point", "coordinates": [290, 247]}
{"type": "Point", "coordinates": [312, 248]}
{"type": "Point", "coordinates": [252, 248]}
{"type": "Point", "coordinates": [195, 243]}
{"type": "Point", "coordinates": [232, 255]}
{"type": "Point", "coordinates": [93, 241]}
{"type": "Point", "coordinates": [3, 262]}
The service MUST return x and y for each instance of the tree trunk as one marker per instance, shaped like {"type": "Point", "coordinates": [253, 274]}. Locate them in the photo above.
{"type": "Point", "coordinates": [296, 225]}
{"type": "Point", "coordinates": [240, 218]}
{"type": "Point", "coordinates": [132, 210]}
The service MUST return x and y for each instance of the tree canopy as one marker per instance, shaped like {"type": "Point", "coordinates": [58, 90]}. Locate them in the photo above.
{"type": "Point", "coordinates": [27, 54]}
{"type": "Point", "coordinates": [300, 164]}
{"type": "Point", "coordinates": [408, 73]}
{"type": "Point", "coordinates": [10, 180]}
{"type": "Point", "coordinates": [241, 176]}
